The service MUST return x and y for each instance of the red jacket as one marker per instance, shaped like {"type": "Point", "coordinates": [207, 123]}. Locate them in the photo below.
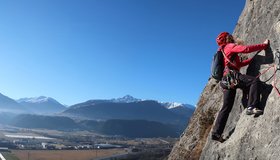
{"type": "Point", "coordinates": [233, 49]}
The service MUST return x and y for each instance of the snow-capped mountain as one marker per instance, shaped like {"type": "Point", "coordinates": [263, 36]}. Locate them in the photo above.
{"type": "Point", "coordinates": [172, 105]}
{"type": "Point", "coordinates": [41, 99]}
{"type": "Point", "coordinates": [129, 107]}
{"type": "Point", "coordinates": [125, 99]}
{"type": "Point", "coordinates": [42, 105]}
{"type": "Point", "coordinates": [180, 108]}
{"type": "Point", "coordinates": [168, 105]}
{"type": "Point", "coordinates": [141, 110]}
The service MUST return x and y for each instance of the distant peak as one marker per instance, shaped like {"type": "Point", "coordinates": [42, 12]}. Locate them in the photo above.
{"type": "Point", "coordinates": [40, 99]}
{"type": "Point", "coordinates": [172, 105]}
{"type": "Point", "coordinates": [126, 99]}
{"type": "Point", "coordinates": [127, 96]}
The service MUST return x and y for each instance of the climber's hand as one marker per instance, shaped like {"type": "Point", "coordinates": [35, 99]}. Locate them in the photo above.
{"type": "Point", "coordinates": [266, 41]}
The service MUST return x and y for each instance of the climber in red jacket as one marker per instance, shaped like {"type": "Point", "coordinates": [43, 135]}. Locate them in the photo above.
{"type": "Point", "coordinates": [233, 79]}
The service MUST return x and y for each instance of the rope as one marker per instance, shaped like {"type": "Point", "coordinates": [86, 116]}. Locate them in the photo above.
{"type": "Point", "coordinates": [276, 68]}
{"type": "Point", "coordinates": [275, 81]}
{"type": "Point", "coordinates": [227, 59]}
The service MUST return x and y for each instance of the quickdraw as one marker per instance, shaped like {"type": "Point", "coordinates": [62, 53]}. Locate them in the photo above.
{"type": "Point", "coordinates": [230, 79]}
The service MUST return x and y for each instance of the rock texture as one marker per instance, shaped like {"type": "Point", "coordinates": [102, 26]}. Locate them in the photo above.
{"type": "Point", "coordinates": [249, 137]}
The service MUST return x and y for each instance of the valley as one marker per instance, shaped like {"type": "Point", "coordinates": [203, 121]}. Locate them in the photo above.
{"type": "Point", "coordinates": [123, 128]}
{"type": "Point", "coordinates": [45, 144]}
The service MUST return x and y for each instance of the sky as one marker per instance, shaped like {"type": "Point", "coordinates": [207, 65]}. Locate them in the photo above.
{"type": "Point", "coordinates": [77, 50]}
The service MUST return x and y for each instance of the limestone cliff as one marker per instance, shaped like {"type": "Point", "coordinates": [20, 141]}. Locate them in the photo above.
{"type": "Point", "coordinates": [249, 137]}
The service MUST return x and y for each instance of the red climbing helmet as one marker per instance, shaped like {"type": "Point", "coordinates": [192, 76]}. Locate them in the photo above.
{"type": "Point", "coordinates": [221, 39]}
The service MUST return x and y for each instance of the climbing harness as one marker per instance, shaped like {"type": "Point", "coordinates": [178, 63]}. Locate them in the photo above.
{"type": "Point", "coordinates": [230, 80]}
{"type": "Point", "coordinates": [276, 68]}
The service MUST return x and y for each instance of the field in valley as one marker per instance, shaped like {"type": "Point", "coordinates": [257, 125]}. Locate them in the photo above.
{"type": "Point", "coordinates": [28, 147]}
{"type": "Point", "coordinates": [66, 154]}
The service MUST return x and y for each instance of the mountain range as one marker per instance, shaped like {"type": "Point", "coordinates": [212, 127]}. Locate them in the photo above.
{"type": "Point", "coordinates": [148, 110]}
{"type": "Point", "coordinates": [96, 115]}
{"type": "Point", "coordinates": [48, 105]}
{"type": "Point", "coordinates": [35, 105]}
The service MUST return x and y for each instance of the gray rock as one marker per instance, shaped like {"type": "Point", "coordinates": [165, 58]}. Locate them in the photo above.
{"type": "Point", "coordinates": [249, 137]}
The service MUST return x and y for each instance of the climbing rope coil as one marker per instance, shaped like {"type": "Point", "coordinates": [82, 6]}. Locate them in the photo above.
{"type": "Point", "coordinates": [276, 67]}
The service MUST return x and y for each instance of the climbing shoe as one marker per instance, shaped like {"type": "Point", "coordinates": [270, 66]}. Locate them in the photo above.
{"type": "Point", "coordinates": [217, 137]}
{"type": "Point", "coordinates": [257, 111]}
{"type": "Point", "coordinates": [251, 110]}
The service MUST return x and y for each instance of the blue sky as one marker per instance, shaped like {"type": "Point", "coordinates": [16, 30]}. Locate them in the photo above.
{"type": "Point", "coordinates": [76, 50]}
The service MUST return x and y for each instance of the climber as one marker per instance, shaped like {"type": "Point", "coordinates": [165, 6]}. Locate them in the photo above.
{"type": "Point", "coordinates": [233, 79]}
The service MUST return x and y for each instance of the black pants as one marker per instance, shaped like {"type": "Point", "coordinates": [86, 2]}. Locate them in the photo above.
{"type": "Point", "coordinates": [248, 83]}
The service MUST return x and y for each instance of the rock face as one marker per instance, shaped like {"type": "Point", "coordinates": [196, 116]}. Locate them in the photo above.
{"type": "Point", "coordinates": [249, 137]}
